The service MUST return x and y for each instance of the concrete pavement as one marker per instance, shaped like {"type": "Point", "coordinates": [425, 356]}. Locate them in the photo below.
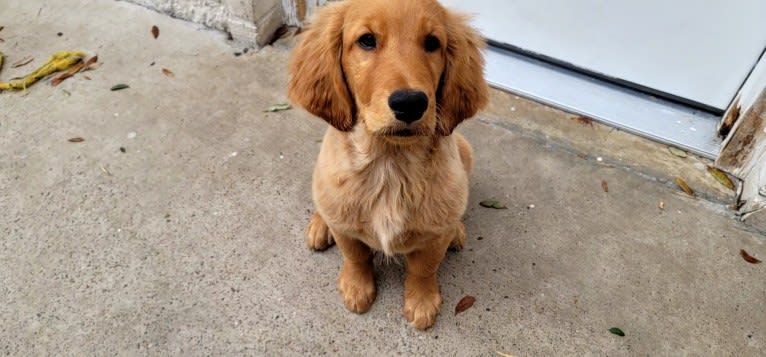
{"type": "Point", "coordinates": [190, 242]}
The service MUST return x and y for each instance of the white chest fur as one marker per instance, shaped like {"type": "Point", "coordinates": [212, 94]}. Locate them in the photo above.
{"type": "Point", "coordinates": [382, 198]}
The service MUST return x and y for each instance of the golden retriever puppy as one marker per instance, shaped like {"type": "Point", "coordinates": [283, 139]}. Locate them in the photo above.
{"type": "Point", "coordinates": [393, 78]}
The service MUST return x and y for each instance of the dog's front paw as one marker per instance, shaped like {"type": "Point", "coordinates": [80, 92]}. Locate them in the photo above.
{"type": "Point", "coordinates": [458, 241]}
{"type": "Point", "coordinates": [357, 286]}
{"type": "Point", "coordinates": [421, 308]}
{"type": "Point", "coordinates": [318, 236]}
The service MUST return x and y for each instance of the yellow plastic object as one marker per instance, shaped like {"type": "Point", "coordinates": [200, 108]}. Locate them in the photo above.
{"type": "Point", "coordinates": [58, 62]}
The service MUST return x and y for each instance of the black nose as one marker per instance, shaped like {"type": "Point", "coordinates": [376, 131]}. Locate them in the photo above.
{"type": "Point", "coordinates": [408, 105]}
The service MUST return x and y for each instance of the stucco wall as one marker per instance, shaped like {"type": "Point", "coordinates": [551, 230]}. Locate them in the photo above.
{"type": "Point", "coordinates": [250, 22]}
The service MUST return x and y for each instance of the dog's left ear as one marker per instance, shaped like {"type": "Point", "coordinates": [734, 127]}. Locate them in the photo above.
{"type": "Point", "coordinates": [463, 90]}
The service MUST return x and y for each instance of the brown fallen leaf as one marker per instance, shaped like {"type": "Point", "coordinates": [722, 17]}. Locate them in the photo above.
{"type": "Point", "coordinates": [604, 186]}
{"type": "Point", "coordinates": [76, 140]}
{"type": "Point", "coordinates": [70, 72]}
{"type": "Point", "coordinates": [90, 63]}
{"type": "Point", "coordinates": [721, 177]}
{"type": "Point", "coordinates": [86, 78]}
{"type": "Point", "coordinates": [583, 120]}
{"type": "Point", "coordinates": [684, 186]}
{"type": "Point", "coordinates": [168, 72]}
{"type": "Point", "coordinates": [464, 304]}
{"type": "Point", "coordinates": [155, 31]}
{"type": "Point", "coordinates": [748, 258]}
{"type": "Point", "coordinates": [22, 62]}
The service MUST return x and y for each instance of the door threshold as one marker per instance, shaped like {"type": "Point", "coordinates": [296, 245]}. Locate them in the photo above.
{"type": "Point", "coordinates": [624, 108]}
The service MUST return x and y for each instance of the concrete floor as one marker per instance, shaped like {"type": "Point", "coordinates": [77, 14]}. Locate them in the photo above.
{"type": "Point", "coordinates": [191, 241]}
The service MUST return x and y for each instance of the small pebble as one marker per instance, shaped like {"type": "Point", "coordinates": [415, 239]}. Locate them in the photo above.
{"type": "Point", "coordinates": [599, 159]}
{"type": "Point", "coordinates": [122, 150]}
{"type": "Point", "coordinates": [238, 54]}
{"type": "Point", "coordinates": [131, 135]}
{"type": "Point", "coordinates": [60, 34]}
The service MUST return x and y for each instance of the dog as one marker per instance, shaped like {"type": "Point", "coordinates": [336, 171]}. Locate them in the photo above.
{"type": "Point", "coordinates": [393, 78]}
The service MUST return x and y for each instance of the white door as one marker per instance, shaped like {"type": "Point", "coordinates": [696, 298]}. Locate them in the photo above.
{"type": "Point", "coordinates": [694, 51]}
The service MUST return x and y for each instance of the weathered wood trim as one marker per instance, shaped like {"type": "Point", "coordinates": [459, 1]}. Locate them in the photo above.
{"type": "Point", "coordinates": [747, 142]}
{"type": "Point", "coordinates": [744, 152]}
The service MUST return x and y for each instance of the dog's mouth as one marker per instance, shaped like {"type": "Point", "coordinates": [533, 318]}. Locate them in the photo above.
{"type": "Point", "coordinates": [401, 132]}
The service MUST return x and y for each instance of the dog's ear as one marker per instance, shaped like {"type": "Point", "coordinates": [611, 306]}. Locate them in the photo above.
{"type": "Point", "coordinates": [316, 80]}
{"type": "Point", "coordinates": [462, 91]}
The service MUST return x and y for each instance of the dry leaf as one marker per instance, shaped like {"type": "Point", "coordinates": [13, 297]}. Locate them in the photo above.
{"type": "Point", "coordinates": [279, 107]}
{"type": "Point", "coordinates": [464, 304]}
{"type": "Point", "coordinates": [155, 31]}
{"type": "Point", "coordinates": [604, 186]}
{"type": "Point", "coordinates": [86, 78]}
{"type": "Point", "coordinates": [721, 177]}
{"type": "Point", "coordinates": [583, 120]}
{"type": "Point", "coordinates": [748, 258]}
{"type": "Point", "coordinates": [684, 186]}
{"type": "Point", "coordinates": [22, 62]}
{"type": "Point", "coordinates": [617, 331]}
{"type": "Point", "coordinates": [168, 72]}
{"type": "Point", "coordinates": [105, 170]}
{"type": "Point", "coordinates": [90, 63]}
{"type": "Point", "coordinates": [503, 354]}
{"type": "Point", "coordinates": [492, 204]}
{"type": "Point", "coordinates": [70, 72]}
{"type": "Point", "coordinates": [678, 152]}
{"type": "Point", "coordinates": [737, 205]}
{"type": "Point", "coordinates": [76, 140]}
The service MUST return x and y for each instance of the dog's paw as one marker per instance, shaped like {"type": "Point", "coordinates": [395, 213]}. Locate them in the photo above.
{"type": "Point", "coordinates": [318, 236]}
{"type": "Point", "coordinates": [421, 309]}
{"type": "Point", "coordinates": [357, 286]}
{"type": "Point", "coordinates": [458, 241]}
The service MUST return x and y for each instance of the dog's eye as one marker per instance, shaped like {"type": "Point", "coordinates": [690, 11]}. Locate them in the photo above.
{"type": "Point", "coordinates": [432, 43]}
{"type": "Point", "coordinates": [367, 42]}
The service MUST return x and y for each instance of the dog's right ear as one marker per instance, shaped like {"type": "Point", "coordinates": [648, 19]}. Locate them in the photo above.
{"type": "Point", "coordinates": [317, 81]}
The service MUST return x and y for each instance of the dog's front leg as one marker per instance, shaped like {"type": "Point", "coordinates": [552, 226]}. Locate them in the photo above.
{"type": "Point", "coordinates": [421, 291]}
{"type": "Point", "coordinates": [357, 279]}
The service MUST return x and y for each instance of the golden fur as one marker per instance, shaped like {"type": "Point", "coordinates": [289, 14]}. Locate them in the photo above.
{"type": "Point", "coordinates": [374, 189]}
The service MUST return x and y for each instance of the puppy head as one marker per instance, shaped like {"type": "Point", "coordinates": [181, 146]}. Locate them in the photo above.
{"type": "Point", "coordinates": [403, 68]}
